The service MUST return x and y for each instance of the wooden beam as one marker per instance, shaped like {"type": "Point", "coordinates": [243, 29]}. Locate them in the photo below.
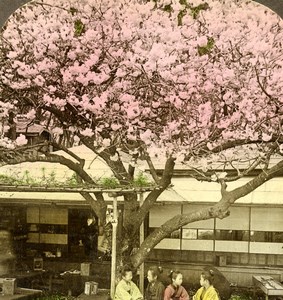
{"type": "Point", "coordinates": [68, 189]}
{"type": "Point", "coordinates": [141, 268]}
{"type": "Point", "coordinates": [114, 247]}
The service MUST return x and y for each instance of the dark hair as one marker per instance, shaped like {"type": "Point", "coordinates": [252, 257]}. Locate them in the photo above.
{"type": "Point", "coordinates": [155, 271]}
{"type": "Point", "coordinates": [125, 270]}
{"type": "Point", "coordinates": [173, 274]}
{"type": "Point", "coordinates": [208, 275]}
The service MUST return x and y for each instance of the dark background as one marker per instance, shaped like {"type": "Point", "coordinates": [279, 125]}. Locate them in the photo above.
{"type": "Point", "coordinates": [7, 7]}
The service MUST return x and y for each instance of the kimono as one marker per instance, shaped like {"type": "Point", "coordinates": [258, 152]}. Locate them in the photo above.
{"type": "Point", "coordinates": [209, 294]}
{"type": "Point", "coordinates": [154, 291]}
{"type": "Point", "coordinates": [127, 291]}
{"type": "Point", "coordinates": [173, 293]}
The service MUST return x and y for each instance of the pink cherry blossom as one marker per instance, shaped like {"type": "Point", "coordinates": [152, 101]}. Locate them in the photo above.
{"type": "Point", "coordinates": [129, 69]}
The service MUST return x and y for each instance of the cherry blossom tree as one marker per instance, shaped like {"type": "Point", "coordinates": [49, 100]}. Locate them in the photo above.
{"type": "Point", "coordinates": [181, 82]}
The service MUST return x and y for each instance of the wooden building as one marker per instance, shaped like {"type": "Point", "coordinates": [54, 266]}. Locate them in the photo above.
{"type": "Point", "coordinates": [248, 242]}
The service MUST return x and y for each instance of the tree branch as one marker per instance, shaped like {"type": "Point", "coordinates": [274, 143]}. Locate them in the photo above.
{"type": "Point", "coordinates": [223, 187]}
{"type": "Point", "coordinates": [152, 169]}
{"type": "Point", "coordinates": [264, 176]}
{"type": "Point", "coordinates": [98, 206]}
{"type": "Point", "coordinates": [232, 144]}
{"type": "Point", "coordinates": [117, 167]}
{"type": "Point", "coordinates": [219, 210]}
{"type": "Point", "coordinates": [19, 154]}
{"type": "Point", "coordinates": [32, 154]}
{"type": "Point", "coordinates": [68, 151]}
{"type": "Point", "coordinates": [153, 195]}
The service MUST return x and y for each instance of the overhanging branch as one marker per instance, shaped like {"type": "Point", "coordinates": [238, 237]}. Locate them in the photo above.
{"type": "Point", "coordinates": [219, 210]}
{"type": "Point", "coordinates": [164, 182]}
{"type": "Point", "coordinates": [72, 154]}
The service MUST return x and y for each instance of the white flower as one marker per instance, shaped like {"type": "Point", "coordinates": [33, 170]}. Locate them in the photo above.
{"type": "Point", "coordinates": [115, 126]}
{"type": "Point", "coordinates": [202, 41]}
{"type": "Point", "coordinates": [87, 132]}
{"type": "Point", "coordinates": [209, 146]}
{"type": "Point", "coordinates": [106, 142]}
{"type": "Point", "coordinates": [145, 136]}
{"type": "Point", "coordinates": [10, 146]}
{"type": "Point", "coordinates": [76, 139]}
{"type": "Point", "coordinates": [21, 140]}
{"type": "Point", "coordinates": [31, 114]}
{"type": "Point", "coordinates": [57, 131]}
{"type": "Point", "coordinates": [222, 175]}
{"type": "Point", "coordinates": [266, 137]}
{"type": "Point", "coordinates": [114, 157]}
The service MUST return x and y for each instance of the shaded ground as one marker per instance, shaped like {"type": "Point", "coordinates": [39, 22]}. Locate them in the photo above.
{"type": "Point", "coordinates": [238, 294]}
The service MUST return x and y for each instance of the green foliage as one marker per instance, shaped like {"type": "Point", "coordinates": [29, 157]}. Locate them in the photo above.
{"type": "Point", "coordinates": [73, 180]}
{"type": "Point", "coordinates": [109, 182]}
{"type": "Point", "coordinates": [8, 179]}
{"type": "Point", "coordinates": [183, 2]}
{"type": "Point", "coordinates": [194, 10]}
{"type": "Point", "coordinates": [27, 179]}
{"type": "Point", "coordinates": [181, 14]}
{"type": "Point", "coordinates": [79, 28]}
{"type": "Point", "coordinates": [197, 9]}
{"type": "Point", "coordinates": [43, 176]}
{"type": "Point", "coordinates": [141, 181]}
{"type": "Point", "coordinates": [168, 8]}
{"type": "Point", "coordinates": [47, 296]}
{"type": "Point", "coordinates": [50, 180]}
{"type": "Point", "coordinates": [202, 50]}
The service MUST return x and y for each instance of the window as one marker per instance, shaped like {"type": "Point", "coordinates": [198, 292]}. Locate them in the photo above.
{"type": "Point", "coordinates": [232, 235]}
{"type": "Point", "coordinates": [266, 237]}
{"type": "Point", "coordinates": [190, 234]}
{"type": "Point", "coordinates": [198, 234]}
{"type": "Point", "coordinates": [205, 234]}
{"type": "Point", "coordinates": [48, 228]}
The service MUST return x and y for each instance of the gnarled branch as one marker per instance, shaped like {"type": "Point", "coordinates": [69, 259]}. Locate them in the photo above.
{"type": "Point", "coordinates": [219, 210]}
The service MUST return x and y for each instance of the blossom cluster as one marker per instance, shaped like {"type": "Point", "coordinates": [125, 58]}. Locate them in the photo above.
{"type": "Point", "coordinates": [128, 73]}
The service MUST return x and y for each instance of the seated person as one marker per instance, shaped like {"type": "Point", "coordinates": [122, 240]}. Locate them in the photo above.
{"type": "Point", "coordinates": [207, 291]}
{"type": "Point", "coordinates": [175, 290]}
{"type": "Point", "coordinates": [126, 289]}
{"type": "Point", "coordinates": [155, 288]}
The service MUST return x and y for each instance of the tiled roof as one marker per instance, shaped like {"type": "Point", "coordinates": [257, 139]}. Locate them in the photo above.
{"type": "Point", "coordinates": [33, 128]}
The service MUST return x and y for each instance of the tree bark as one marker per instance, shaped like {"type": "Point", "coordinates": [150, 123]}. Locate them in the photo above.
{"type": "Point", "coordinates": [149, 201]}
{"type": "Point", "coordinates": [99, 206]}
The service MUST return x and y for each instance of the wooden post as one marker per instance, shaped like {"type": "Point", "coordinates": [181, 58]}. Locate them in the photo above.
{"type": "Point", "coordinates": [114, 246]}
{"type": "Point", "coordinates": [141, 279]}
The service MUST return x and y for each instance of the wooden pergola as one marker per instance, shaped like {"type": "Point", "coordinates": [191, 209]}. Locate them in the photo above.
{"type": "Point", "coordinates": [113, 193]}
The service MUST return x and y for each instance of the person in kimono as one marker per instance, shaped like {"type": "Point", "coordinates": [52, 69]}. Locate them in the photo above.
{"type": "Point", "coordinates": [207, 291]}
{"type": "Point", "coordinates": [175, 290]}
{"type": "Point", "coordinates": [90, 237]}
{"type": "Point", "coordinates": [126, 289]}
{"type": "Point", "coordinates": [155, 288]}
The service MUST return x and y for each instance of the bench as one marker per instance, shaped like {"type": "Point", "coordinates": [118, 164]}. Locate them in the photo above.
{"type": "Point", "coordinates": [268, 285]}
